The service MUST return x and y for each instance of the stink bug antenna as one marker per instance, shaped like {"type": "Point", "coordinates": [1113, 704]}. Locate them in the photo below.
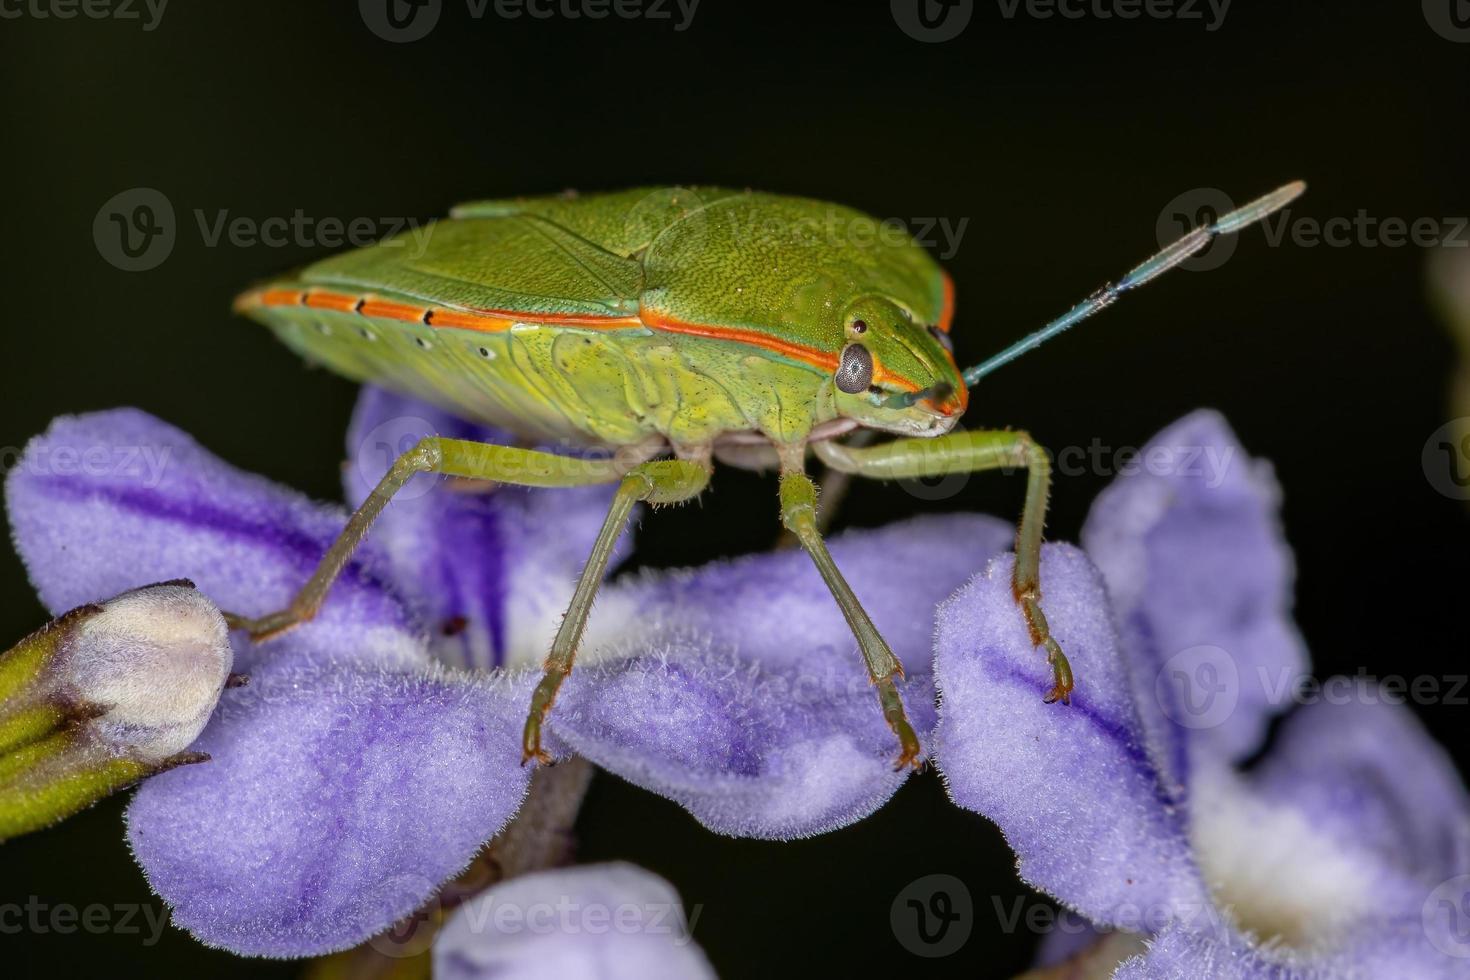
{"type": "Point", "coordinates": [1191, 244]}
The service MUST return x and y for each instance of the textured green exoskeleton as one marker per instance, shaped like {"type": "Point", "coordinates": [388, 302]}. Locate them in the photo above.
{"type": "Point", "coordinates": [688, 323]}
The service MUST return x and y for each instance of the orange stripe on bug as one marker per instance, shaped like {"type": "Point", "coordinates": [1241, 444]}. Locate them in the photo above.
{"type": "Point", "coordinates": [946, 310]}
{"type": "Point", "coordinates": [485, 320]}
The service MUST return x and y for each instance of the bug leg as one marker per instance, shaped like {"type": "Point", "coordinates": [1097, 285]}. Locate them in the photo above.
{"type": "Point", "coordinates": [799, 514]}
{"type": "Point", "coordinates": [453, 457]}
{"type": "Point", "coordinates": [667, 481]}
{"type": "Point", "coordinates": [961, 452]}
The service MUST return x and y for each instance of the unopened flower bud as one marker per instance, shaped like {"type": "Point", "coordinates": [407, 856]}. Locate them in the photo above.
{"type": "Point", "coordinates": [104, 696]}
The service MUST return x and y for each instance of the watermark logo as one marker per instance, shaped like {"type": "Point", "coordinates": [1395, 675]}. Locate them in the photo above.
{"type": "Point", "coordinates": [1202, 206]}
{"type": "Point", "coordinates": [400, 21]}
{"type": "Point", "coordinates": [1446, 459]}
{"type": "Point", "coordinates": [933, 916]}
{"type": "Point", "coordinates": [403, 21]}
{"type": "Point", "coordinates": [1198, 687]}
{"type": "Point", "coordinates": [1446, 917]}
{"type": "Point", "coordinates": [380, 448]}
{"type": "Point", "coordinates": [415, 932]}
{"type": "Point", "coordinates": [135, 229]}
{"type": "Point", "coordinates": [1450, 19]}
{"type": "Point", "coordinates": [1195, 209]}
{"type": "Point", "coordinates": [932, 21]}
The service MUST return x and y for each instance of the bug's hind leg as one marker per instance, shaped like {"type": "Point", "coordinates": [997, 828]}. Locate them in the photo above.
{"type": "Point", "coordinates": [666, 481]}
{"type": "Point", "coordinates": [799, 514]}
{"type": "Point", "coordinates": [453, 457]}
{"type": "Point", "coordinates": [962, 452]}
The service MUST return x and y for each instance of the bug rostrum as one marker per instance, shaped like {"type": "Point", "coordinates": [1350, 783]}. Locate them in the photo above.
{"type": "Point", "coordinates": [676, 326]}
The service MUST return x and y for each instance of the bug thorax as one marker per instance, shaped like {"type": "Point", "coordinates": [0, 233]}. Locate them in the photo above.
{"type": "Point", "coordinates": [894, 373]}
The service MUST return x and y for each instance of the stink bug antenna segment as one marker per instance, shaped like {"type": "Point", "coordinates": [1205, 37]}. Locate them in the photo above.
{"type": "Point", "coordinates": [1182, 250]}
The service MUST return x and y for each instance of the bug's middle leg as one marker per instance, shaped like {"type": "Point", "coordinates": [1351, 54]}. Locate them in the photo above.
{"type": "Point", "coordinates": [799, 514]}
{"type": "Point", "coordinates": [965, 452]}
{"type": "Point", "coordinates": [665, 481]}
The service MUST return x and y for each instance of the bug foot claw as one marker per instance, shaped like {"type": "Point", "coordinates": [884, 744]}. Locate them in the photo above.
{"type": "Point", "coordinates": [531, 741]}
{"type": "Point", "coordinates": [911, 752]}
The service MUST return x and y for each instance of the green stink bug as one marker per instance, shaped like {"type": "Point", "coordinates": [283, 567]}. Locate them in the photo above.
{"type": "Point", "coordinates": [676, 327]}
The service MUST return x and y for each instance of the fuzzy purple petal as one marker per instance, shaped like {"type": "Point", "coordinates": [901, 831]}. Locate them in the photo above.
{"type": "Point", "coordinates": [490, 572]}
{"type": "Point", "coordinates": [105, 502]}
{"type": "Point", "coordinates": [1180, 953]}
{"type": "Point", "coordinates": [1190, 545]}
{"type": "Point", "coordinates": [336, 801]}
{"type": "Point", "coordinates": [1073, 787]}
{"type": "Point", "coordinates": [1363, 769]}
{"type": "Point", "coordinates": [1375, 952]}
{"type": "Point", "coordinates": [740, 692]}
{"type": "Point", "coordinates": [610, 921]}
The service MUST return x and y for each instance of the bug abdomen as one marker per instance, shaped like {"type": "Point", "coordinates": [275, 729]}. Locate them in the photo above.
{"type": "Point", "coordinates": [613, 382]}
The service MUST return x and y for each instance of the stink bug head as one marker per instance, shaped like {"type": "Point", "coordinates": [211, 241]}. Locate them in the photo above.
{"type": "Point", "coordinates": [895, 373]}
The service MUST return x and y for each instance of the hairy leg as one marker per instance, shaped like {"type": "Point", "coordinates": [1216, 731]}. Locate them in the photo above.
{"type": "Point", "coordinates": [799, 514]}
{"type": "Point", "coordinates": [665, 481]}
{"type": "Point", "coordinates": [961, 452]}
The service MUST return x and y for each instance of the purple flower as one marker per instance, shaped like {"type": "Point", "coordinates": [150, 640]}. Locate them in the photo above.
{"type": "Point", "coordinates": [612, 921]}
{"type": "Point", "coordinates": [1344, 852]}
{"type": "Point", "coordinates": [376, 748]}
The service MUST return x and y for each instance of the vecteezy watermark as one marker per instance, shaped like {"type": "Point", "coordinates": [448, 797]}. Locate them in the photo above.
{"type": "Point", "coordinates": [932, 21]}
{"type": "Point", "coordinates": [1202, 686]}
{"type": "Point", "coordinates": [1198, 687]}
{"type": "Point", "coordinates": [402, 21]}
{"type": "Point", "coordinates": [378, 449]}
{"type": "Point", "coordinates": [143, 466]}
{"type": "Point", "coordinates": [136, 230]}
{"type": "Point", "coordinates": [1446, 459]}
{"type": "Point", "coordinates": [1210, 13]}
{"type": "Point", "coordinates": [1424, 690]}
{"type": "Point", "coordinates": [568, 917]}
{"type": "Point", "coordinates": [837, 227]}
{"type": "Point", "coordinates": [829, 226]}
{"type": "Point", "coordinates": [63, 919]}
{"type": "Point", "coordinates": [1446, 917]}
{"type": "Point", "coordinates": [1450, 19]}
{"type": "Point", "coordinates": [1195, 209]}
{"type": "Point", "coordinates": [1024, 913]}
{"type": "Point", "coordinates": [932, 916]}
{"type": "Point", "coordinates": [148, 13]}
{"type": "Point", "coordinates": [1201, 206]}
{"type": "Point", "coordinates": [1210, 465]}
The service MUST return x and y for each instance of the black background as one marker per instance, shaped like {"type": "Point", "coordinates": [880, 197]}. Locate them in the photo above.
{"type": "Point", "coordinates": [1060, 140]}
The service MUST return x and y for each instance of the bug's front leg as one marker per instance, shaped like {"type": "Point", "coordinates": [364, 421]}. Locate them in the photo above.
{"type": "Point", "coordinates": [966, 452]}
{"type": "Point", "coordinates": [799, 514]}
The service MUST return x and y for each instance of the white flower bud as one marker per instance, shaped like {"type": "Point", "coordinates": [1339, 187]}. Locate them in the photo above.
{"type": "Point", "coordinates": [153, 662]}
{"type": "Point", "coordinates": [104, 696]}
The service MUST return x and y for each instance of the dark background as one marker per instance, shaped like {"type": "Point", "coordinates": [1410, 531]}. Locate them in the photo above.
{"type": "Point", "coordinates": [1061, 141]}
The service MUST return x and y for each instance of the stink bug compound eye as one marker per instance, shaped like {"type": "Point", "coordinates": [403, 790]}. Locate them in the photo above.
{"type": "Point", "coordinates": [855, 369]}
{"type": "Point", "coordinates": [658, 328]}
